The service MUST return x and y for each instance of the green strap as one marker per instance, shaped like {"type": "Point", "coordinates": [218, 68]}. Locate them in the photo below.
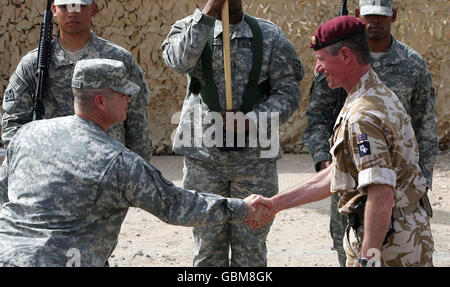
{"type": "Point", "coordinates": [253, 94]}
{"type": "Point", "coordinates": [208, 93]}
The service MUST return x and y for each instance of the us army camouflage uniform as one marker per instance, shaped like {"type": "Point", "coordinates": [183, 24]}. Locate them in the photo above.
{"type": "Point", "coordinates": [58, 97]}
{"type": "Point", "coordinates": [405, 73]}
{"type": "Point", "coordinates": [374, 143]}
{"type": "Point", "coordinates": [231, 173]}
{"type": "Point", "coordinates": [66, 185]}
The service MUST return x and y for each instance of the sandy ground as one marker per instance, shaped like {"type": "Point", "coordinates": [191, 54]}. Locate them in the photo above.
{"type": "Point", "coordinates": [299, 237]}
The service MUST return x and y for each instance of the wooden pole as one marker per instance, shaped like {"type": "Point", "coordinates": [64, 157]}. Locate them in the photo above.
{"type": "Point", "coordinates": [227, 54]}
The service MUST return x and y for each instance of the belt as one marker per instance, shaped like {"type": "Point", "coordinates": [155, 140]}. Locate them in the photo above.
{"type": "Point", "coordinates": [400, 211]}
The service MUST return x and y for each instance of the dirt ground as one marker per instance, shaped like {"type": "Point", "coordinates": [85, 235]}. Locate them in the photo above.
{"type": "Point", "coordinates": [299, 237]}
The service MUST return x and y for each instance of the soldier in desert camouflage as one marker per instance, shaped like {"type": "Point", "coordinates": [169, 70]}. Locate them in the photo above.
{"type": "Point", "coordinates": [75, 42]}
{"type": "Point", "coordinates": [375, 158]}
{"type": "Point", "coordinates": [404, 71]}
{"type": "Point", "coordinates": [66, 186]}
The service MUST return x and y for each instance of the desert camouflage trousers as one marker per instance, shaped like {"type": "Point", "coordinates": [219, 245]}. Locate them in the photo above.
{"type": "Point", "coordinates": [410, 245]}
{"type": "Point", "coordinates": [213, 244]}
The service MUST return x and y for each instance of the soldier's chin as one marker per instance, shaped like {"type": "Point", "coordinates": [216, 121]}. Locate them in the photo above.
{"type": "Point", "coordinates": [331, 84]}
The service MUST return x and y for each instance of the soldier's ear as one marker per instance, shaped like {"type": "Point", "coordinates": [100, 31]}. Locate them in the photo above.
{"type": "Point", "coordinates": [100, 102]}
{"type": "Point", "coordinates": [357, 13]}
{"type": "Point", "coordinates": [54, 10]}
{"type": "Point", "coordinates": [394, 15]}
{"type": "Point", "coordinates": [346, 54]}
{"type": "Point", "coordinates": [94, 9]}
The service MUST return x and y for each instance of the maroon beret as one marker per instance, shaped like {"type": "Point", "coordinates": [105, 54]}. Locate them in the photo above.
{"type": "Point", "coordinates": [335, 30]}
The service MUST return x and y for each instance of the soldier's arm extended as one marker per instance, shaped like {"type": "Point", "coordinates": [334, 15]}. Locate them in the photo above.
{"type": "Point", "coordinates": [130, 181]}
{"type": "Point", "coordinates": [285, 73]}
{"type": "Point", "coordinates": [18, 99]}
{"type": "Point", "coordinates": [137, 128]}
{"type": "Point", "coordinates": [321, 117]}
{"type": "Point", "coordinates": [424, 125]}
{"type": "Point", "coordinates": [186, 40]}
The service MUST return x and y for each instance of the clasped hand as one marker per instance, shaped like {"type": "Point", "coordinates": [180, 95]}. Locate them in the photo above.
{"type": "Point", "coordinates": [260, 211]}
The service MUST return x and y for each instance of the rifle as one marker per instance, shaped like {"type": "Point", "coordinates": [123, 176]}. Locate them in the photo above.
{"type": "Point", "coordinates": [44, 54]}
{"type": "Point", "coordinates": [341, 94]}
{"type": "Point", "coordinates": [343, 8]}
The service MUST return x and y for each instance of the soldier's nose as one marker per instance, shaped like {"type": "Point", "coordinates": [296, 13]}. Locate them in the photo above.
{"type": "Point", "coordinates": [319, 68]}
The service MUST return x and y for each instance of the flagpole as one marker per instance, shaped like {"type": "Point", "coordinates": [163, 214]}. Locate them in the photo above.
{"type": "Point", "coordinates": [227, 54]}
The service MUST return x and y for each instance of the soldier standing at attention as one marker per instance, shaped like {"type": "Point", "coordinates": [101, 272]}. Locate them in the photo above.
{"type": "Point", "coordinates": [66, 186]}
{"type": "Point", "coordinates": [265, 79]}
{"type": "Point", "coordinates": [375, 158]}
{"type": "Point", "coordinates": [404, 71]}
{"type": "Point", "coordinates": [74, 42]}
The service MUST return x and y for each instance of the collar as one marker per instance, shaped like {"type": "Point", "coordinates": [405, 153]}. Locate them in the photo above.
{"type": "Point", "coordinates": [389, 52]}
{"type": "Point", "coordinates": [59, 55]}
{"type": "Point", "coordinates": [240, 30]}
{"type": "Point", "coordinates": [367, 81]}
{"type": "Point", "coordinates": [88, 125]}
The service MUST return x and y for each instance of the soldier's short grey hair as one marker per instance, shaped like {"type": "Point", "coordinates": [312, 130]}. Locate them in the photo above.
{"type": "Point", "coordinates": [84, 98]}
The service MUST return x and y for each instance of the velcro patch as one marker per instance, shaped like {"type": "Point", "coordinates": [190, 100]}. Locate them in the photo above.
{"type": "Point", "coordinates": [245, 43]}
{"type": "Point", "coordinates": [9, 95]}
{"type": "Point", "coordinates": [362, 137]}
{"type": "Point", "coordinates": [364, 149]}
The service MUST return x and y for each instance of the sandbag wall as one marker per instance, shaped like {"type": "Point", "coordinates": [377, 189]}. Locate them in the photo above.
{"type": "Point", "coordinates": [141, 26]}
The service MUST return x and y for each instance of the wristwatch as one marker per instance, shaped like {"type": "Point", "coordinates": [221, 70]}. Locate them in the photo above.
{"type": "Point", "coordinates": [363, 261]}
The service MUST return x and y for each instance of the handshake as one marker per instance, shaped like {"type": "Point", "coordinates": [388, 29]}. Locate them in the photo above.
{"type": "Point", "coordinates": [260, 211]}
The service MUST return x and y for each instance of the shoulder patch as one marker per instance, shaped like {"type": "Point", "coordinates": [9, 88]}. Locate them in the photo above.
{"type": "Point", "coordinates": [364, 149]}
{"type": "Point", "coordinates": [9, 95]}
{"type": "Point", "coordinates": [17, 83]}
{"type": "Point", "coordinates": [362, 137]}
{"type": "Point", "coordinates": [16, 87]}
{"type": "Point", "coordinates": [294, 60]}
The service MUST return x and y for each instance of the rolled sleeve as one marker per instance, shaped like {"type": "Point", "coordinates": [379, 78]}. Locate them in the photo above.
{"type": "Point", "coordinates": [201, 18]}
{"type": "Point", "coordinates": [376, 175]}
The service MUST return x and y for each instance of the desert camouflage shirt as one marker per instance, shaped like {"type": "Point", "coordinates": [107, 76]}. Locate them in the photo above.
{"type": "Point", "coordinates": [404, 71]}
{"type": "Point", "coordinates": [66, 187]}
{"type": "Point", "coordinates": [374, 143]}
{"type": "Point", "coordinates": [58, 96]}
{"type": "Point", "coordinates": [182, 52]}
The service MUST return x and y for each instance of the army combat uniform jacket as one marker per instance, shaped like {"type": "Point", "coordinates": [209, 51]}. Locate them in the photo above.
{"type": "Point", "coordinates": [58, 96]}
{"type": "Point", "coordinates": [66, 185]}
{"type": "Point", "coordinates": [404, 71]}
{"type": "Point", "coordinates": [374, 143]}
{"type": "Point", "coordinates": [182, 52]}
